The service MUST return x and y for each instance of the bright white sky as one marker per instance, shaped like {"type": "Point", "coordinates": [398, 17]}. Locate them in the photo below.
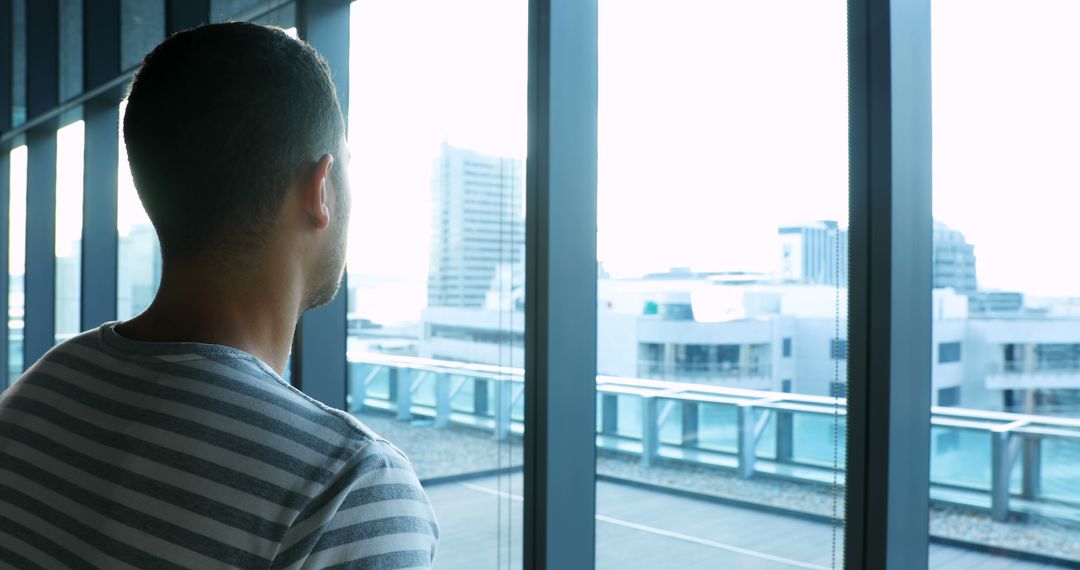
{"type": "Point", "coordinates": [1007, 137]}
{"type": "Point", "coordinates": [719, 121]}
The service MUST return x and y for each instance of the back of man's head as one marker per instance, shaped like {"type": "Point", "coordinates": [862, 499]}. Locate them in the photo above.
{"type": "Point", "coordinates": [220, 121]}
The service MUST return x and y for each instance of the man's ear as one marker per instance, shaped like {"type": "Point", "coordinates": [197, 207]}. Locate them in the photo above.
{"type": "Point", "coordinates": [314, 194]}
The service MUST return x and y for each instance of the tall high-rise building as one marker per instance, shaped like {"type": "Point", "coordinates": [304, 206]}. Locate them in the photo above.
{"type": "Point", "coordinates": [478, 226]}
{"type": "Point", "coordinates": [815, 253]}
{"type": "Point", "coordinates": [954, 261]}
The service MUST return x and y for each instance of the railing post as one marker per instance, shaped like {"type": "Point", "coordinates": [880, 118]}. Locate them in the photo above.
{"type": "Point", "coordinates": [609, 414]}
{"type": "Point", "coordinates": [358, 386]}
{"type": "Point", "coordinates": [1032, 459]}
{"type": "Point", "coordinates": [391, 383]}
{"type": "Point", "coordinates": [504, 403]}
{"type": "Point", "coordinates": [690, 419]}
{"type": "Point", "coordinates": [404, 382]}
{"type": "Point", "coordinates": [480, 397]}
{"type": "Point", "coordinates": [442, 400]}
{"type": "Point", "coordinates": [1000, 468]}
{"type": "Point", "coordinates": [747, 441]}
{"type": "Point", "coordinates": [650, 430]}
{"type": "Point", "coordinates": [785, 428]}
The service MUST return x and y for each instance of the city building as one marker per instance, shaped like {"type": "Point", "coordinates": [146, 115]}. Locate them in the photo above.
{"type": "Point", "coordinates": [137, 280]}
{"type": "Point", "coordinates": [769, 335]}
{"type": "Point", "coordinates": [478, 226]}
{"type": "Point", "coordinates": [954, 261]}
{"type": "Point", "coordinates": [681, 466]}
{"type": "Point", "coordinates": [814, 253]}
{"type": "Point", "coordinates": [996, 302]}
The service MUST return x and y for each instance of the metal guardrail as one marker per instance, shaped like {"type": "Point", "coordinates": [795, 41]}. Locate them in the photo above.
{"type": "Point", "coordinates": [491, 398]}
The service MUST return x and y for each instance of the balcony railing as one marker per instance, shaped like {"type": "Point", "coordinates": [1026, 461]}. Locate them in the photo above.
{"type": "Point", "coordinates": [659, 369]}
{"type": "Point", "coordinates": [1002, 462]}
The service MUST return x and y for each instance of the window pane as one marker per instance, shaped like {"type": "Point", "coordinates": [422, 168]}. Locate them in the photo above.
{"type": "Point", "coordinates": [722, 327]}
{"type": "Point", "coordinates": [138, 254]}
{"type": "Point", "coordinates": [1005, 447]}
{"type": "Point", "coordinates": [436, 256]}
{"type": "Point", "coordinates": [142, 26]}
{"type": "Point", "coordinates": [281, 14]}
{"type": "Point", "coordinates": [71, 48]}
{"type": "Point", "coordinates": [16, 261]}
{"type": "Point", "coordinates": [18, 62]}
{"type": "Point", "coordinates": [69, 212]}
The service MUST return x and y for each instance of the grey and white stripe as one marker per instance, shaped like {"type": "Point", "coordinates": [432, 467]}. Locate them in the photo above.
{"type": "Point", "coordinates": [123, 454]}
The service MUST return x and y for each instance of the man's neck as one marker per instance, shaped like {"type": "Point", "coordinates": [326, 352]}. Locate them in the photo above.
{"type": "Point", "coordinates": [255, 311]}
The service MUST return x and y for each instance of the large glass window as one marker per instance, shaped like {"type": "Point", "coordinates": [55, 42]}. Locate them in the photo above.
{"type": "Point", "coordinates": [1005, 441]}
{"type": "Point", "coordinates": [142, 26]}
{"type": "Point", "coordinates": [722, 216]}
{"type": "Point", "coordinates": [69, 212]}
{"type": "Point", "coordinates": [436, 256]}
{"type": "Point", "coordinates": [138, 254]}
{"type": "Point", "coordinates": [16, 262]}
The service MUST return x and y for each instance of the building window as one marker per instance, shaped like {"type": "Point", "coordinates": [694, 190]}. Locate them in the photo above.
{"type": "Point", "coordinates": [948, 352]}
{"type": "Point", "coordinates": [786, 347]}
{"type": "Point", "coordinates": [949, 396]}
{"type": "Point", "coordinates": [839, 349]}
{"type": "Point", "coordinates": [785, 386]}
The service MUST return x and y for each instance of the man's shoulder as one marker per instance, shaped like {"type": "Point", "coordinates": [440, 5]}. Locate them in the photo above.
{"type": "Point", "coordinates": [226, 380]}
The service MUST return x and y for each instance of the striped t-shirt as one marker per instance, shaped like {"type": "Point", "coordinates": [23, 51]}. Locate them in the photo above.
{"type": "Point", "coordinates": [122, 454]}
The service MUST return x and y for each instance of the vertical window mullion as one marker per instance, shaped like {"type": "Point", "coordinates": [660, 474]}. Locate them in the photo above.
{"type": "Point", "coordinates": [319, 347]}
{"type": "Point", "coordinates": [42, 95]}
{"type": "Point", "coordinates": [560, 308]}
{"type": "Point", "coordinates": [890, 311]}
{"type": "Point", "coordinates": [185, 14]}
{"type": "Point", "coordinates": [6, 111]}
{"type": "Point", "coordinates": [101, 57]}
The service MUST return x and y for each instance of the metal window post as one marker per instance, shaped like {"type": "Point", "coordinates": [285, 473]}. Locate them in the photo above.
{"type": "Point", "coordinates": [184, 14]}
{"type": "Point", "coordinates": [362, 375]}
{"type": "Point", "coordinates": [319, 347]}
{"type": "Point", "coordinates": [101, 63]}
{"type": "Point", "coordinates": [785, 441]}
{"type": "Point", "coordinates": [609, 414]}
{"type": "Point", "coordinates": [1001, 468]}
{"type": "Point", "coordinates": [504, 404]}
{"type": "Point", "coordinates": [747, 443]}
{"type": "Point", "coordinates": [1032, 462]}
{"type": "Point", "coordinates": [481, 406]}
{"type": "Point", "coordinates": [650, 430]}
{"type": "Point", "coordinates": [691, 417]}
{"type": "Point", "coordinates": [887, 514]}
{"type": "Point", "coordinates": [442, 400]}
{"type": "Point", "coordinates": [6, 78]}
{"type": "Point", "coordinates": [42, 94]}
{"type": "Point", "coordinates": [560, 295]}
{"type": "Point", "coordinates": [404, 388]}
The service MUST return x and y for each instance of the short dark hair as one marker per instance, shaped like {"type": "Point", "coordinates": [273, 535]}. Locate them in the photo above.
{"type": "Point", "coordinates": [220, 120]}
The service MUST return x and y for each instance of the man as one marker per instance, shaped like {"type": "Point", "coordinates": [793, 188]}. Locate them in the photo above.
{"type": "Point", "coordinates": [171, 440]}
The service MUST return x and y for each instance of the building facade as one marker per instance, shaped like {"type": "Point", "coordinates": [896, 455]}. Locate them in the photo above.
{"type": "Point", "coordinates": [478, 227]}
{"type": "Point", "coordinates": [954, 261]}
{"type": "Point", "coordinates": [814, 253]}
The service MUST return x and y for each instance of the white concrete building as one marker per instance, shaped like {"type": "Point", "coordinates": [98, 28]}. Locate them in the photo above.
{"type": "Point", "coordinates": [786, 338]}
